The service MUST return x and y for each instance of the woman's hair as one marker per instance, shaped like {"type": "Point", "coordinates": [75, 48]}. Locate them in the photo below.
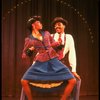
{"type": "Point", "coordinates": [31, 20]}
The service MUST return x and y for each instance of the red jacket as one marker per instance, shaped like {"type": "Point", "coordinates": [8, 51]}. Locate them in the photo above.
{"type": "Point", "coordinates": [44, 49]}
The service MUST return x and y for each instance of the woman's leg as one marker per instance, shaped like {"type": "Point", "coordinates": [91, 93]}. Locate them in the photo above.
{"type": "Point", "coordinates": [26, 89]}
{"type": "Point", "coordinates": [68, 89]}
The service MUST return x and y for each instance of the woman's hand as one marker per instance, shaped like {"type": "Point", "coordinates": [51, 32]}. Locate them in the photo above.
{"type": "Point", "coordinates": [32, 48]}
{"type": "Point", "coordinates": [29, 51]}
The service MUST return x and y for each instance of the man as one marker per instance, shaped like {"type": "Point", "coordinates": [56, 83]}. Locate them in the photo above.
{"type": "Point", "coordinates": [67, 48]}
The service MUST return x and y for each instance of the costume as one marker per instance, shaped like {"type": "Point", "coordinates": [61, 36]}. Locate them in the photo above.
{"type": "Point", "coordinates": [47, 69]}
{"type": "Point", "coordinates": [68, 42]}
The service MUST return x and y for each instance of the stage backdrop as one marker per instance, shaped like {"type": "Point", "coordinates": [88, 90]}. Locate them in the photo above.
{"type": "Point", "coordinates": [82, 16]}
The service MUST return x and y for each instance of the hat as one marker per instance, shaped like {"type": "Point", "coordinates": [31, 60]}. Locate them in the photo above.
{"type": "Point", "coordinates": [59, 19]}
{"type": "Point", "coordinates": [32, 20]}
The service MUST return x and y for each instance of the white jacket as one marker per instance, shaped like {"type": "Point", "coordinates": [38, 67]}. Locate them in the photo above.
{"type": "Point", "coordinates": [69, 47]}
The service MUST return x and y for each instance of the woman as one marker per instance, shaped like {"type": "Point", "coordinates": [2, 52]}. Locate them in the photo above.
{"type": "Point", "coordinates": [47, 71]}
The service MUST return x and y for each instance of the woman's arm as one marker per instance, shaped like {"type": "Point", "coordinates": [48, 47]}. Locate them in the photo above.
{"type": "Point", "coordinates": [28, 48]}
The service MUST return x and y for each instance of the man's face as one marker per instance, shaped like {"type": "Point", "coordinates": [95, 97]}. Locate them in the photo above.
{"type": "Point", "coordinates": [59, 27]}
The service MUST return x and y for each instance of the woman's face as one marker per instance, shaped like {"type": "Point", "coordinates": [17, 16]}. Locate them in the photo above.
{"type": "Point", "coordinates": [37, 25]}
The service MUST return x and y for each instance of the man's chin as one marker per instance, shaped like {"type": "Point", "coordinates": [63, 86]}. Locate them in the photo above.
{"type": "Point", "coordinates": [58, 31]}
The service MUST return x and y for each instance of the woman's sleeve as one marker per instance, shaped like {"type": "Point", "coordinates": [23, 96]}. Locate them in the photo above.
{"type": "Point", "coordinates": [27, 45]}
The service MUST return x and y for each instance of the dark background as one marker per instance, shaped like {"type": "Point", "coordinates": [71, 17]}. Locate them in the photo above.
{"type": "Point", "coordinates": [83, 19]}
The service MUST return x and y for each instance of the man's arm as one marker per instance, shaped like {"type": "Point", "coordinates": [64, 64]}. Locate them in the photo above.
{"type": "Point", "coordinates": [72, 54]}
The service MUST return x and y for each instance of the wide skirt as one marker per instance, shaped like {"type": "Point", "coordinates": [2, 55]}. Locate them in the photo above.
{"type": "Point", "coordinates": [50, 73]}
{"type": "Point", "coordinates": [52, 70]}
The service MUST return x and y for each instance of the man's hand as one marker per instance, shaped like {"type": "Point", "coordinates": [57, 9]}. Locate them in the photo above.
{"type": "Point", "coordinates": [76, 75]}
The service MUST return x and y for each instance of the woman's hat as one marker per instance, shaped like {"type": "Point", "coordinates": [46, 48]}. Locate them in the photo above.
{"type": "Point", "coordinates": [59, 19]}
{"type": "Point", "coordinates": [32, 20]}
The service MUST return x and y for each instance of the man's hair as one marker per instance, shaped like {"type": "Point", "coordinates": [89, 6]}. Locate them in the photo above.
{"type": "Point", "coordinates": [59, 19]}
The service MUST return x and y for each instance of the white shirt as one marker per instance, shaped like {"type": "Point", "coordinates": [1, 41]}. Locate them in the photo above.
{"type": "Point", "coordinates": [69, 47]}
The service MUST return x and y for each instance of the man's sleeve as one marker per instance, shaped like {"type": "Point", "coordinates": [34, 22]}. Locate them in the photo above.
{"type": "Point", "coordinates": [72, 52]}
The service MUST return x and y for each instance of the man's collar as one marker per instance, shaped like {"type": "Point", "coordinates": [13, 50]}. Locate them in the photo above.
{"type": "Point", "coordinates": [61, 33]}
